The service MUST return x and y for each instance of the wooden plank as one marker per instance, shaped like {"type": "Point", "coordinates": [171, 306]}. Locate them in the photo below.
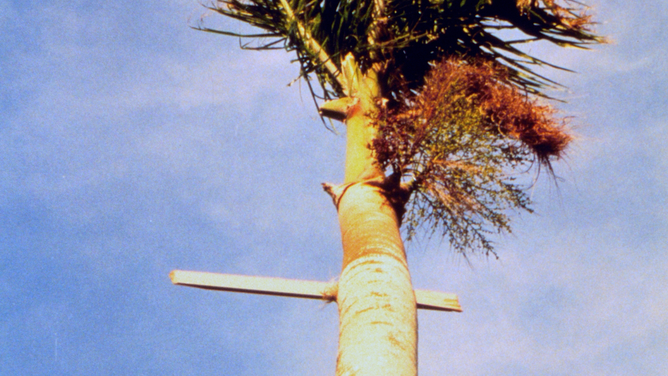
{"type": "Point", "coordinates": [430, 300]}
{"type": "Point", "coordinates": [250, 284]}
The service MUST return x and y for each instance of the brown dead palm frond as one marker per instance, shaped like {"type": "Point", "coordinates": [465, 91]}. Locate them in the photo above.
{"type": "Point", "coordinates": [457, 139]}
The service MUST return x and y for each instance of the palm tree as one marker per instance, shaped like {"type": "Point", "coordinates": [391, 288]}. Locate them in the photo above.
{"type": "Point", "coordinates": [441, 106]}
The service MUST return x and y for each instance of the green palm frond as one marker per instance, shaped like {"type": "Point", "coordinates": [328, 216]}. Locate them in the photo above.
{"type": "Point", "coordinates": [408, 36]}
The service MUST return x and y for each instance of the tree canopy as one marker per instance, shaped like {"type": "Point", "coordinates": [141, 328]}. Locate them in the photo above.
{"type": "Point", "coordinates": [405, 37]}
{"type": "Point", "coordinates": [459, 114]}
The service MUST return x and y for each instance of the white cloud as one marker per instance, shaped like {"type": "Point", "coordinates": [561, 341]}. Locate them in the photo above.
{"type": "Point", "coordinates": [558, 309]}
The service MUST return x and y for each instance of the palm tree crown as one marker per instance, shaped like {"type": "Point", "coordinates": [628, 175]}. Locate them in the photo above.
{"type": "Point", "coordinates": [457, 111]}
{"type": "Point", "coordinates": [405, 37]}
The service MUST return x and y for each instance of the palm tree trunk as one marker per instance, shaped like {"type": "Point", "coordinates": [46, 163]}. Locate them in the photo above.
{"type": "Point", "coordinates": [377, 308]}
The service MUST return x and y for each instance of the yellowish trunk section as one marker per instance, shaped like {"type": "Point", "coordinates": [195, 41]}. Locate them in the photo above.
{"type": "Point", "coordinates": [361, 130]}
{"type": "Point", "coordinates": [359, 158]}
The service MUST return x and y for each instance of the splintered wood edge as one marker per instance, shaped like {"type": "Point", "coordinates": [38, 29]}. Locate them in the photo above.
{"type": "Point", "coordinates": [430, 300]}
{"type": "Point", "coordinates": [437, 301]}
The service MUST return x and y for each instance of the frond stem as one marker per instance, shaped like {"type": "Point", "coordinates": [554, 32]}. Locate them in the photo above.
{"type": "Point", "coordinates": [313, 45]}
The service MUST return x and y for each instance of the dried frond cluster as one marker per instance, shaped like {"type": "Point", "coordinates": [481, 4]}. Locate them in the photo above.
{"type": "Point", "coordinates": [463, 139]}
{"type": "Point", "coordinates": [504, 109]}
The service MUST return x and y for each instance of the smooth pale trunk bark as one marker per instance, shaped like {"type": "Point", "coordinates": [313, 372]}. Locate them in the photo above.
{"type": "Point", "coordinates": [377, 309]}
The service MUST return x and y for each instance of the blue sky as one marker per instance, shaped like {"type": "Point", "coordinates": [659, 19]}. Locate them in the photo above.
{"type": "Point", "coordinates": [132, 145]}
